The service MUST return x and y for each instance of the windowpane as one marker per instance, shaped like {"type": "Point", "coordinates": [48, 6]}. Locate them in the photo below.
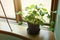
{"type": "Point", "coordinates": [8, 7]}
{"type": "Point", "coordinates": [46, 3]}
{"type": "Point", "coordinates": [1, 11]}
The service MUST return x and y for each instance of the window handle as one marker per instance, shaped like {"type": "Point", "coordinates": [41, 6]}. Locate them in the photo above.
{"type": "Point", "coordinates": [54, 12]}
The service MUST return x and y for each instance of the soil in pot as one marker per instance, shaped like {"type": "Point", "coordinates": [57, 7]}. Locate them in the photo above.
{"type": "Point", "coordinates": [33, 29]}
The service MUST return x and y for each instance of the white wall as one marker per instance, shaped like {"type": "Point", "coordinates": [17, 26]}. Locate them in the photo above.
{"type": "Point", "coordinates": [57, 27]}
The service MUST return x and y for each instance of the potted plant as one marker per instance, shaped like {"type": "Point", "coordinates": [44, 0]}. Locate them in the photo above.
{"type": "Point", "coordinates": [34, 17]}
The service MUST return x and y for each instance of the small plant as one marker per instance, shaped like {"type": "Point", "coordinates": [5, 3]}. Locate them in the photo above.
{"type": "Point", "coordinates": [34, 14]}
{"type": "Point", "coordinates": [51, 26]}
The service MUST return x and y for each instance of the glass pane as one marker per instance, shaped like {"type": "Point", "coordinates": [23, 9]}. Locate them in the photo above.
{"type": "Point", "coordinates": [46, 3]}
{"type": "Point", "coordinates": [1, 11]}
{"type": "Point", "coordinates": [8, 7]}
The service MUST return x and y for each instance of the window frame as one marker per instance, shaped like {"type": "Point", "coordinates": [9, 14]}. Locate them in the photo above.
{"type": "Point", "coordinates": [17, 6]}
{"type": "Point", "coordinates": [54, 6]}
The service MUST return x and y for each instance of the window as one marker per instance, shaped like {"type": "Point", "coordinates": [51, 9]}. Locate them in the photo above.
{"type": "Point", "coordinates": [8, 6]}
{"type": "Point", "coordinates": [12, 6]}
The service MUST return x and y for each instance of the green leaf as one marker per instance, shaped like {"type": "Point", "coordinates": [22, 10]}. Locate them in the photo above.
{"type": "Point", "coordinates": [41, 23]}
{"type": "Point", "coordinates": [32, 6]}
{"type": "Point", "coordinates": [40, 4]}
{"type": "Point", "coordinates": [49, 16]}
{"type": "Point", "coordinates": [20, 13]}
{"type": "Point", "coordinates": [51, 24]}
{"type": "Point", "coordinates": [27, 8]}
{"type": "Point", "coordinates": [41, 13]}
{"type": "Point", "coordinates": [44, 9]}
{"type": "Point", "coordinates": [34, 12]}
{"type": "Point", "coordinates": [20, 23]}
{"type": "Point", "coordinates": [51, 29]}
{"type": "Point", "coordinates": [36, 6]}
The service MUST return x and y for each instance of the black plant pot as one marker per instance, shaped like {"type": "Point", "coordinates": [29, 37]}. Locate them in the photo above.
{"type": "Point", "coordinates": [33, 29]}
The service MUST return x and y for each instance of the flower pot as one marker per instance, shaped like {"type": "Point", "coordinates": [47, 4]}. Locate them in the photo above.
{"type": "Point", "coordinates": [33, 29]}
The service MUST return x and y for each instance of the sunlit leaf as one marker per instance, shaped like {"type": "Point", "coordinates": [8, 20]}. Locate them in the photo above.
{"type": "Point", "coordinates": [32, 6]}
{"type": "Point", "coordinates": [44, 9]}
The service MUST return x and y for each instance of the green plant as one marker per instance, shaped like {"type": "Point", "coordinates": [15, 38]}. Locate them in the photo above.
{"type": "Point", "coordinates": [35, 14]}
{"type": "Point", "coordinates": [51, 26]}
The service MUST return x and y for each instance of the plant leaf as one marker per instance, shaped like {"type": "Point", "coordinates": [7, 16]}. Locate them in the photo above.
{"type": "Point", "coordinates": [51, 24]}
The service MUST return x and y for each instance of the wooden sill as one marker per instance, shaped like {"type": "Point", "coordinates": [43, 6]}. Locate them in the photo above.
{"type": "Point", "coordinates": [7, 18]}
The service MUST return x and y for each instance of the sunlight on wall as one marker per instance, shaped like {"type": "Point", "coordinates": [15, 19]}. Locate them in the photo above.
{"type": "Point", "coordinates": [46, 3]}
{"type": "Point", "coordinates": [8, 7]}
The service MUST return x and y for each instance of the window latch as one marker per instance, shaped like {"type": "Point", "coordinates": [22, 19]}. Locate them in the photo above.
{"type": "Point", "coordinates": [54, 12]}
